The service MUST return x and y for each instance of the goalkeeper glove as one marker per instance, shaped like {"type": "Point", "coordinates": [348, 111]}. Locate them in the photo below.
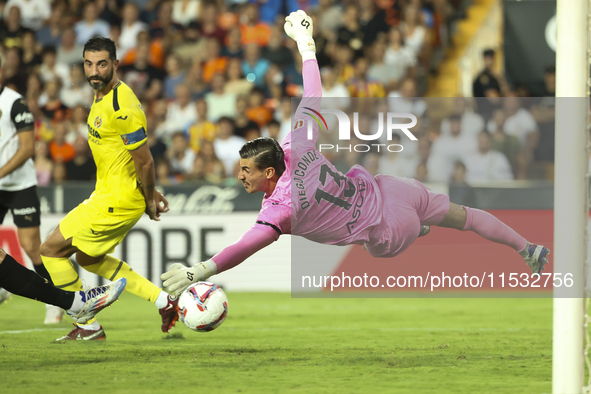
{"type": "Point", "coordinates": [179, 276]}
{"type": "Point", "coordinates": [298, 26]}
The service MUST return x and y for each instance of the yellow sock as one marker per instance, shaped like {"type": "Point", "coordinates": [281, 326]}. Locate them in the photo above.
{"type": "Point", "coordinates": [112, 269]}
{"type": "Point", "coordinates": [62, 273]}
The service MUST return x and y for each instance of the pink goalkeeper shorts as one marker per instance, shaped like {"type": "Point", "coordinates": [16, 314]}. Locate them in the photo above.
{"type": "Point", "coordinates": [407, 205]}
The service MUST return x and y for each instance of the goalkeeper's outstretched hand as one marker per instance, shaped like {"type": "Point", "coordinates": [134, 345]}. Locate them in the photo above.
{"type": "Point", "coordinates": [298, 26]}
{"type": "Point", "coordinates": [179, 277]}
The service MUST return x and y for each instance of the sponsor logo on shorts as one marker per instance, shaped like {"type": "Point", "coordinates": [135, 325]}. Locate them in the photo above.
{"type": "Point", "coordinates": [24, 211]}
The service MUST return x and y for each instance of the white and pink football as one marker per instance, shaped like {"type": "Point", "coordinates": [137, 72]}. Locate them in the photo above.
{"type": "Point", "coordinates": [203, 306]}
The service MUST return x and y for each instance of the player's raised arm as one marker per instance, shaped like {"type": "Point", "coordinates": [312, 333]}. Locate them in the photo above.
{"type": "Point", "coordinates": [299, 27]}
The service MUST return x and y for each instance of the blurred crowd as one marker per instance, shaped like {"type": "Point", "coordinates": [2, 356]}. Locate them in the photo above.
{"type": "Point", "coordinates": [212, 74]}
{"type": "Point", "coordinates": [502, 133]}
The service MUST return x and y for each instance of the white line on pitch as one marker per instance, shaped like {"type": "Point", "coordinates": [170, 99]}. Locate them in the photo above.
{"type": "Point", "coordinates": [381, 329]}
{"type": "Point", "coordinates": [31, 330]}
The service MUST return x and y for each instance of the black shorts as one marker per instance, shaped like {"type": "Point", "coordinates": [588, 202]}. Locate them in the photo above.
{"type": "Point", "coordinates": [24, 206]}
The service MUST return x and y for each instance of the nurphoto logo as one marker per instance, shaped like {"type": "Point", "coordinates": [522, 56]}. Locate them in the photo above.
{"type": "Point", "coordinates": [392, 121]}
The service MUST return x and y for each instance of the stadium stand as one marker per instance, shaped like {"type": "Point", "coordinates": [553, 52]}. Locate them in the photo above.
{"type": "Point", "coordinates": [199, 66]}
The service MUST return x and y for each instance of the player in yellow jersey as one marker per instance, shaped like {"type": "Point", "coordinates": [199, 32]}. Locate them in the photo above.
{"type": "Point", "coordinates": [124, 191]}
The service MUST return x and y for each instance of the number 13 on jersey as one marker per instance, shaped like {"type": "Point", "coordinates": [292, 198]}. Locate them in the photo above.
{"type": "Point", "coordinates": [322, 194]}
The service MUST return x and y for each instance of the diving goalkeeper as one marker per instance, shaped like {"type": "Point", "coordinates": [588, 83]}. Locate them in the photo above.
{"type": "Point", "coordinates": [385, 214]}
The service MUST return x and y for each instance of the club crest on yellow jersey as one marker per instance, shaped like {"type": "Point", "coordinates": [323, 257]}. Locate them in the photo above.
{"type": "Point", "coordinates": [98, 122]}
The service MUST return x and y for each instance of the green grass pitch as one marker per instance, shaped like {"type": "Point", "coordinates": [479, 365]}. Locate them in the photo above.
{"type": "Point", "coordinates": [272, 343]}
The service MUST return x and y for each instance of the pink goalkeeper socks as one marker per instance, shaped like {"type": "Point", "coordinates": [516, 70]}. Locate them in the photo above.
{"type": "Point", "coordinates": [491, 228]}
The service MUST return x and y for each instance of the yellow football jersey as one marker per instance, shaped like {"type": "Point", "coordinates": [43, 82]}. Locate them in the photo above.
{"type": "Point", "coordinates": [117, 125]}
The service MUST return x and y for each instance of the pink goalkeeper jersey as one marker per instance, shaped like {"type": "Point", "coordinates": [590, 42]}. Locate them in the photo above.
{"type": "Point", "coordinates": [327, 206]}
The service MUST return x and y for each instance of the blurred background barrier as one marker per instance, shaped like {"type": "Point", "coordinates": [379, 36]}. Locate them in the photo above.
{"type": "Point", "coordinates": [215, 199]}
{"type": "Point", "coordinates": [150, 247]}
{"type": "Point", "coordinates": [212, 199]}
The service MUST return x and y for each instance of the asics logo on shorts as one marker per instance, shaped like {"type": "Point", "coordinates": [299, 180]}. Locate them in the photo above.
{"type": "Point", "coordinates": [24, 211]}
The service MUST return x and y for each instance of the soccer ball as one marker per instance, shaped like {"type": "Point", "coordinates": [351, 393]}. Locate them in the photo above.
{"type": "Point", "coordinates": [203, 306]}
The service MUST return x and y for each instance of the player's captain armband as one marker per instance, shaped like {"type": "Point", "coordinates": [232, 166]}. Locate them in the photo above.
{"type": "Point", "coordinates": [135, 139]}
